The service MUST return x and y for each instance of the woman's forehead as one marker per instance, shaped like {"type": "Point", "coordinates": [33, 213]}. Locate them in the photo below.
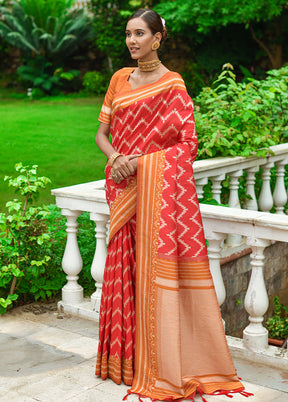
{"type": "Point", "coordinates": [136, 23]}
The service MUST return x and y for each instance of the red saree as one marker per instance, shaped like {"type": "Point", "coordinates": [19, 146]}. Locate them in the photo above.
{"type": "Point", "coordinates": [173, 344]}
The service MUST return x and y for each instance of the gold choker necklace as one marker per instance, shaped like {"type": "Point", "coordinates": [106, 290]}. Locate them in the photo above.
{"type": "Point", "coordinates": [148, 65]}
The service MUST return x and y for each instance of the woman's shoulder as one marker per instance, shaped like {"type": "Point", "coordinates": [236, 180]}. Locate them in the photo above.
{"type": "Point", "coordinates": [175, 80]}
{"type": "Point", "coordinates": [123, 72]}
{"type": "Point", "coordinates": [175, 75]}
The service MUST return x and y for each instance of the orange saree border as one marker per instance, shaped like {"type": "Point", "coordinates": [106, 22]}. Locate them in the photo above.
{"type": "Point", "coordinates": [123, 208]}
{"type": "Point", "coordinates": [149, 195]}
{"type": "Point", "coordinates": [157, 279]}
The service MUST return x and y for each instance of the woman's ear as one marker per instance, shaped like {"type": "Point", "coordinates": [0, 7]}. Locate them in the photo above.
{"type": "Point", "coordinates": [158, 36]}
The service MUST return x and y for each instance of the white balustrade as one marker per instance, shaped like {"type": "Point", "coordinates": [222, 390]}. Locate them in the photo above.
{"type": "Point", "coordinates": [258, 227]}
{"type": "Point", "coordinates": [98, 264]}
{"type": "Point", "coordinates": [72, 264]}
{"type": "Point", "coordinates": [199, 186]}
{"type": "Point", "coordinates": [280, 195]}
{"type": "Point", "coordinates": [255, 336]}
{"type": "Point", "coordinates": [216, 187]}
{"type": "Point", "coordinates": [218, 168]}
{"type": "Point", "coordinates": [251, 201]}
{"type": "Point", "coordinates": [265, 198]}
{"type": "Point", "coordinates": [214, 248]}
{"type": "Point", "coordinates": [234, 202]}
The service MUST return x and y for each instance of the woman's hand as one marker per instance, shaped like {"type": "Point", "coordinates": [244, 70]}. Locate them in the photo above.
{"type": "Point", "coordinates": [123, 167]}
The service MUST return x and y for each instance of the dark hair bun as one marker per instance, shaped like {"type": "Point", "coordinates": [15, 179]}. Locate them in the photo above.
{"type": "Point", "coordinates": [153, 20]}
{"type": "Point", "coordinates": [164, 34]}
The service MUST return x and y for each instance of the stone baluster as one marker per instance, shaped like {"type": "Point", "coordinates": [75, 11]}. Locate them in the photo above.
{"type": "Point", "coordinates": [214, 247]}
{"type": "Point", "coordinates": [255, 336]}
{"type": "Point", "coordinates": [216, 187]}
{"type": "Point", "coordinates": [200, 183]}
{"type": "Point", "coordinates": [265, 200]}
{"type": "Point", "coordinates": [98, 264]}
{"type": "Point", "coordinates": [234, 202]}
{"type": "Point", "coordinates": [251, 201]}
{"type": "Point", "coordinates": [72, 264]}
{"type": "Point", "coordinates": [280, 195]}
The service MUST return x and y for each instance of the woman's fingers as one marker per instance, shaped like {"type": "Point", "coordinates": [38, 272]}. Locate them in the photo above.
{"type": "Point", "coordinates": [123, 166]}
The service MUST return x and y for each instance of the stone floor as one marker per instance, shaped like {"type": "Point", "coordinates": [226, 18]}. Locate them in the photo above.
{"type": "Point", "coordinates": [47, 356]}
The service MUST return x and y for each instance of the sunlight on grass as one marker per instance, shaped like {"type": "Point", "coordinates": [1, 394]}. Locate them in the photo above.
{"type": "Point", "coordinates": [58, 135]}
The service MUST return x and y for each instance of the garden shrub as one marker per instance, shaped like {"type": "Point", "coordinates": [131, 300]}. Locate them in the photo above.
{"type": "Point", "coordinates": [242, 118]}
{"type": "Point", "coordinates": [49, 33]}
{"type": "Point", "coordinates": [32, 243]}
{"type": "Point", "coordinates": [95, 82]}
{"type": "Point", "coordinates": [277, 325]}
{"type": "Point", "coordinates": [38, 73]}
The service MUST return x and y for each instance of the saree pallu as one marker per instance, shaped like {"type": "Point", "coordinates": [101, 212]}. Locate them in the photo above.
{"type": "Point", "coordinates": [179, 346]}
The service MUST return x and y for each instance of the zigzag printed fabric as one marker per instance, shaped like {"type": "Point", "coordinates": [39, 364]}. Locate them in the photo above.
{"type": "Point", "coordinates": [160, 324]}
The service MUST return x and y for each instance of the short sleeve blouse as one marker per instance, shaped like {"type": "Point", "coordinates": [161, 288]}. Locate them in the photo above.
{"type": "Point", "coordinates": [117, 81]}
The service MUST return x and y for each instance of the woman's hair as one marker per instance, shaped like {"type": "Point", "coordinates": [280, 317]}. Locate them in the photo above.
{"type": "Point", "coordinates": [153, 20]}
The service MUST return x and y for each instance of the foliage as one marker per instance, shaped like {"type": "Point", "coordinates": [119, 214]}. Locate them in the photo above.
{"type": "Point", "coordinates": [277, 325]}
{"type": "Point", "coordinates": [200, 17]}
{"type": "Point", "coordinates": [43, 10]}
{"type": "Point", "coordinates": [242, 118]}
{"type": "Point", "coordinates": [38, 73]}
{"type": "Point", "coordinates": [95, 82]}
{"type": "Point", "coordinates": [206, 16]}
{"type": "Point", "coordinates": [55, 38]}
{"type": "Point", "coordinates": [194, 78]}
{"type": "Point", "coordinates": [110, 18]}
{"type": "Point", "coordinates": [32, 241]}
{"type": "Point", "coordinates": [23, 232]}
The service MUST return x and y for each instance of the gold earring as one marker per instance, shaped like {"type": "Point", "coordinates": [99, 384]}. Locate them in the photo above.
{"type": "Point", "coordinates": [155, 45]}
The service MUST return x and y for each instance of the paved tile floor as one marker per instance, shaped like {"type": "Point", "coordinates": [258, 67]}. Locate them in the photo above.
{"type": "Point", "coordinates": [46, 356]}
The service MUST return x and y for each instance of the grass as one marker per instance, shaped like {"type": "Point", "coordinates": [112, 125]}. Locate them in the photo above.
{"type": "Point", "coordinates": [56, 134]}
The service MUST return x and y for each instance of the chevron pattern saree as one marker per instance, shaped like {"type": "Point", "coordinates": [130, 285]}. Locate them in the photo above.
{"type": "Point", "coordinates": [160, 324]}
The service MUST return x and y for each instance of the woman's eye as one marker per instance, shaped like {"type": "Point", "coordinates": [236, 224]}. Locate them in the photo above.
{"type": "Point", "coordinates": [140, 33]}
{"type": "Point", "coordinates": [128, 35]}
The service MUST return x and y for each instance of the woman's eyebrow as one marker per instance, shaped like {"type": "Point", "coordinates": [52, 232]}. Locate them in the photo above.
{"type": "Point", "coordinates": [137, 29]}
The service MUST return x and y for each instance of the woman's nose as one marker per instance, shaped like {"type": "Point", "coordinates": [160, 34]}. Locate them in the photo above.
{"type": "Point", "coordinates": [132, 39]}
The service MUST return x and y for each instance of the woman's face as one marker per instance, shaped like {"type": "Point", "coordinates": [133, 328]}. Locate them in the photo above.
{"type": "Point", "coordinates": [139, 39]}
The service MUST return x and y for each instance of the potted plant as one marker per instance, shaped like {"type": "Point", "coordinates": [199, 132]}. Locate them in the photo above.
{"type": "Point", "coordinates": [277, 325]}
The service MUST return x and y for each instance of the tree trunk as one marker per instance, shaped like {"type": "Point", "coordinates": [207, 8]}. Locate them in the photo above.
{"type": "Point", "coordinates": [279, 46]}
{"type": "Point", "coordinates": [275, 56]}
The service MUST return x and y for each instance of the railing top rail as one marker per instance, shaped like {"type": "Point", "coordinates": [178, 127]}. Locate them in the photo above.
{"type": "Point", "coordinates": [92, 191]}
{"type": "Point", "coordinates": [230, 164]}
{"type": "Point", "coordinates": [249, 223]}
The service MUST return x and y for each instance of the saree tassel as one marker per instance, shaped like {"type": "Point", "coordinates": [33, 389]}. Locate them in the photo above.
{"type": "Point", "coordinates": [126, 396]}
{"type": "Point", "coordinates": [192, 396]}
{"type": "Point", "coordinates": [235, 391]}
{"type": "Point", "coordinates": [223, 392]}
{"type": "Point", "coordinates": [242, 392]}
{"type": "Point", "coordinates": [201, 394]}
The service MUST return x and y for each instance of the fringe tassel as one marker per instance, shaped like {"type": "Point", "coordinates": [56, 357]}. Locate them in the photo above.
{"type": "Point", "coordinates": [126, 396]}
{"type": "Point", "coordinates": [242, 392]}
{"type": "Point", "coordinates": [192, 396]}
{"type": "Point", "coordinates": [235, 391]}
{"type": "Point", "coordinates": [201, 394]}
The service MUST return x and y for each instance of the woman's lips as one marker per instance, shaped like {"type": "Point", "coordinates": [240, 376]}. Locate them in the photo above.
{"type": "Point", "coordinates": [134, 49]}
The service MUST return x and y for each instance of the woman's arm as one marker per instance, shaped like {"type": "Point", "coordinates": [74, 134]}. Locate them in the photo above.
{"type": "Point", "coordinates": [124, 166]}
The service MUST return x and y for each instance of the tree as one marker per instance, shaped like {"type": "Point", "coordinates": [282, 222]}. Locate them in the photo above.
{"type": "Point", "coordinates": [109, 23]}
{"type": "Point", "coordinates": [256, 15]}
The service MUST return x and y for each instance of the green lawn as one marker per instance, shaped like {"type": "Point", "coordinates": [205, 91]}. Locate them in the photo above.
{"type": "Point", "coordinates": [57, 135]}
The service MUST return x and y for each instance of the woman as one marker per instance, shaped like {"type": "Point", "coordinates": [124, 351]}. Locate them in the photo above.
{"type": "Point", "coordinates": [173, 344]}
